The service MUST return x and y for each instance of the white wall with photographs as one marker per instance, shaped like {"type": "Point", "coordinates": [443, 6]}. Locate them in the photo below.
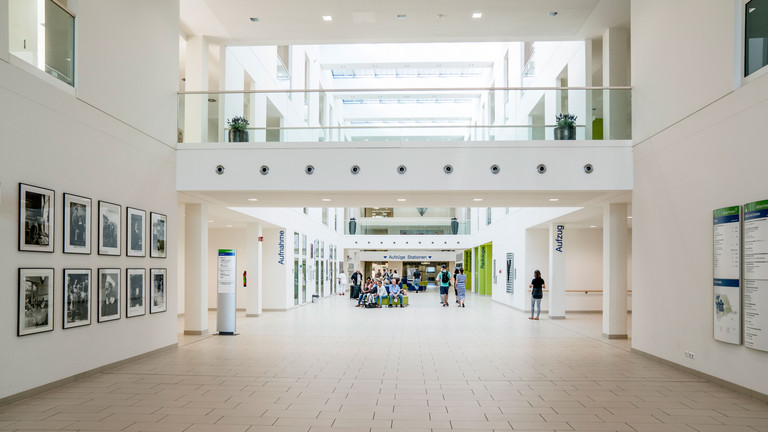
{"type": "Point", "coordinates": [109, 139]}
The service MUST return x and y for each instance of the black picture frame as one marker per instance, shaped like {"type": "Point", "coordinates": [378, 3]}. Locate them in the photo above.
{"type": "Point", "coordinates": [135, 232]}
{"type": "Point", "coordinates": [77, 298]}
{"type": "Point", "coordinates": [158, 287]}
{"type": "Point", "coordinates": [135, 292]}
{"type": "Point", "coordinates": [36, 301]}
{"type": "Point", "coordinates": [159, 229]}
{"type": "Point", "coordinates": [109, 294]}
{"type": "Point", "coordinates": [109, 228]}
{"type": "Point", "coordinates": [77, 224]}
{"type": "Point", "coordinates": [36, 218]}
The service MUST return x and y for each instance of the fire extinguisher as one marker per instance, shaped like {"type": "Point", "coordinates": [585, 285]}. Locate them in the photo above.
{"type": "Point", "coordinates": [245, 279]}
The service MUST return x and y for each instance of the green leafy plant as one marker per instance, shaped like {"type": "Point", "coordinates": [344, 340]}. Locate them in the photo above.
{"type": "Point", "coordinates": [237, 123]}
{"type": "Point", "coordinates": [566, 120]}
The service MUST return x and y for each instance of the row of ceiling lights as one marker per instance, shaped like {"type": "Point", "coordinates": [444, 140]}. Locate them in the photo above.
{"type": "Point", "coordinates": [475, 15]}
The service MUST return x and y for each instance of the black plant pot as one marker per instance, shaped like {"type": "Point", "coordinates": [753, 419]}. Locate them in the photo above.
{"type": "Point", "coordinates": [454, 226]}
{"type": "Point", "coordinates": [238, 135]}
{"type": "Point", "coordinates": [565, 132]}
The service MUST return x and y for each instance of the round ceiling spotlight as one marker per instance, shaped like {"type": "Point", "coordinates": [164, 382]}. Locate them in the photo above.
{"type": "Point", "coordinates": [220, 169]}
{"type": "Point", "coordinates": [401, 169]}
{"type": "Point", "coordinates": [264, 170]}
{"type": "Point", "coordinates": [448, 169]}
{"type": "Point", "coordinates": [355, 169]}
{"type": "Point", "coordinates": [588, 168]}
{"type": "Point", "coordinates": [541, 168]}
{"type": "Point", "coordinates": [309, 170]}
{"type": "Point", "coordinates": [495, 169]}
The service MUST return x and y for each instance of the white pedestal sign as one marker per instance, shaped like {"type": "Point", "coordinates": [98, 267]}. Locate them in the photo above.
{"type": "Point", "coordinates": [727, 274]}
{"type": "Point", "coordinates": [226, 299]}
{"type": "Point", "coordinates": [756, 275]}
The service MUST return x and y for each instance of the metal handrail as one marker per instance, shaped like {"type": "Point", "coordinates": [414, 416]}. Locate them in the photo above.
{"type": "Point", "coordinates": [440, 126]}
{"type": "Point", "coordinates": [392, 90]}
{"type": "Point", "coordinates": [64, 8]}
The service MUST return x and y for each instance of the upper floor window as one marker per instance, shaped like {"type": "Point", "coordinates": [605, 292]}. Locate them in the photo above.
{"type": "Point", "coordinates": [755, 36]}
{"type": "Point", "coordinates": [42, 33]}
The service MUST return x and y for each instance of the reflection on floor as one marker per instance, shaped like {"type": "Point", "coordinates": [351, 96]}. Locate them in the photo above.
{"type": "Point", "coordinates": [331, 367]}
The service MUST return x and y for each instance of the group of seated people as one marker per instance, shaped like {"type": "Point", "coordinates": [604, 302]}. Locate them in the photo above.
{"type": "Point", "coordinates": [375, 290]}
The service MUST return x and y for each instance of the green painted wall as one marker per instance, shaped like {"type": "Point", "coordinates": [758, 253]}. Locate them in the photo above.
{"type": "Point", "coordinates": [468, 268]}
{"type": "Point", "coordinates": [481, 270]}
{"type": "Point", "coordinates": [489, 268]}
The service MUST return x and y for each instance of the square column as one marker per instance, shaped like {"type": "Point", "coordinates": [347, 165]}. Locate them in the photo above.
{"type": "Point", "coordinates": [253, 303]}
{"type": "Point", "coordinates": [556, 282]}
{"type": "Point", "coordinates": [196, 269]}
{"type": "Point", "coordinates": [615, 233]}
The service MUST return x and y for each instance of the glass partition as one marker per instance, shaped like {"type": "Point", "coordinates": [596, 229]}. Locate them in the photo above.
{"type": "Point", "coordinates": [405, 227]}
{"type": "Point", "coordinates": [407, 115]}
{"type": "Point", "coordinates": [42, 33]}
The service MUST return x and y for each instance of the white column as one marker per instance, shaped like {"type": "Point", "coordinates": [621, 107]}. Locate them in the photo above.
{"type": "Point", "coordinates": [234, 80]}
{"type": "Point", "coordinates": [253, 303]}
{"type": "Point", "coordinates": [615, 234]}
{"type": "Point", "coordinates": [196, 78]}
{"type": "Point", "coordinates": [181, 248]}
{"type": "Point", "coordinates": [196, 269]}
{"type": "Point", "coordinates": [616, 72]}
{"type": "Point", "coordinates": [556, 282]}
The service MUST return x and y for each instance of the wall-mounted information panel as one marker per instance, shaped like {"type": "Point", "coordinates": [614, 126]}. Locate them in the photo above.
{"type": "Point", "coordinates": [756, 275]}
{"type": "Point", "coordinates": [727, 274]}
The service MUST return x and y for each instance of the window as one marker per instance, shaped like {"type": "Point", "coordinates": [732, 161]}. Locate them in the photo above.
{"type": "Point", "coordinates": [488, 215]}
{"type": "Point", "coordinates": [755, 36]}
{"type": "Point", "coordinates": [43, 35]}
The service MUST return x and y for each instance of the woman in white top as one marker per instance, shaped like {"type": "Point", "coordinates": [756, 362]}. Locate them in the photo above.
{"type": "Point", "coordinates": [342, 283]}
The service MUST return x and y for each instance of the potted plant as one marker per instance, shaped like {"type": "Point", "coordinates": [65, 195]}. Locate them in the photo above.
{"type": "Point", "coordinates": [237, 129]}
{"type": "Point", "coordinates": [566, 127]}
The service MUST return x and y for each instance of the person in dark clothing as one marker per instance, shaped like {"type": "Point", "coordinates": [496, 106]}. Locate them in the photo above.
{"type": "Point", "coordinates": [537, 292]}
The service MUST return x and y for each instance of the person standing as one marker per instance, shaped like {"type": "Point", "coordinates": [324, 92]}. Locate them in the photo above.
{"type": "Point", "coordinates": [444, 280]}
{"type": "Point", "coordinates": [416, 279]}
{"type": "Point", "coordinates": [537, 292]}
{"type": "Point", "coordinates": [356, 280]}
{"type": "Point", "coordinates": [461, 287]}
{"type": "Point", "coordinates": [342, 283]}
{"type": "Point", "coordinates": [455, 287]}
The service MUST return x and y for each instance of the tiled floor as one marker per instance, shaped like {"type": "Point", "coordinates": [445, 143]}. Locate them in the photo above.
{"type": "Point", "coordinates": [330, 367]}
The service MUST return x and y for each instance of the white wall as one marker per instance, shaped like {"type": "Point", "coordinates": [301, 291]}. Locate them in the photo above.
{"type": "Point", "coordinates": [679, 66]}
{"type": "Point", "coordinates": [714, 158]}
{"type": "Point", "coordinates": [53, 139]}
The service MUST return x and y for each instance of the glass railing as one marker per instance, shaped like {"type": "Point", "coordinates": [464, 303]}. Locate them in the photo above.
{"type": "Point", "coordinates": [470, 114]}
{"type": "Point", "coordinates": [386, 226]}
{"type": "Point", "coordinates": [42, 33]}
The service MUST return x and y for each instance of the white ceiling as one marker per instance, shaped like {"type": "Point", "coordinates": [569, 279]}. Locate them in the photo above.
{"type": "Point", "coordinates": [291, 22]}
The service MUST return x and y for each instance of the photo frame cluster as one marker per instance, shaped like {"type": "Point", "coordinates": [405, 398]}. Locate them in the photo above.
{"type": "Point", "coordinates": [106, 292]}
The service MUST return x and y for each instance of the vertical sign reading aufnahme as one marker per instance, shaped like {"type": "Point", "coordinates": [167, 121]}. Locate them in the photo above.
{"type": "Point", "coordinates": [756, 275]}
{"type": "Point", "coordinates": [727, 274]}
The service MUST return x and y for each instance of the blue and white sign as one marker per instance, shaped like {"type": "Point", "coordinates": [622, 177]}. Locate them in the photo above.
{"type": "Point", "coordinates": [727, 274]}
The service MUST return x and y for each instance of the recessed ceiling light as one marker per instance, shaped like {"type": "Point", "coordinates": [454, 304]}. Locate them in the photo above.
{"type": "Point", "coordinates": [253, 199]}
{"type": "Point", "coordinates": [593, 226]}
{"type": "Point", "coordinates": [229, 226]}
{"type": "Point", "coordinates": [327, 18]}
{"type": "Point", "coordinates": [552, 13]}
{"type": "Point", "coordinates": [401, 199]}
{"type": "Point", "coordinates": [477, 15]}
{"type": "Point", "coordinates": [629, 217]}
{"type": "Point", "coordinates": [254, 19]}
{"type": "Point", "coordinates": [477, 199]}
{"type": "Point", "coordinates": [554, 199]}
{"type": "Point", "coordinates": [210, 221]}
{"type": "Point", "coordinates": [325, 199]}
{"type": "Point", "coordinates": [400, 16]}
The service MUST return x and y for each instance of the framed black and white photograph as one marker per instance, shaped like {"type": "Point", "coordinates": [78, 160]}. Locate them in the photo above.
{"type": "Point", "coordinates": [158, 226]}
{"type": "Point", "coordinates": [36, 207]}
{"type": "Point", "coordinates": [135, 222]}
{"type": "Point", "coordinates": [109, 228]}
{"type": "Point", "coordinates": [77, 224]}
{"type": "Point", "coordinates": [136, 292]}
{"type": "Point", "coordinates": [158, 301]}
{"type": "Point", "coordinates": [35, 311]}
{"type": "Point", "coordinates": [77, 297]}
{"type": "Point", "coordinates": [109, 294]}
